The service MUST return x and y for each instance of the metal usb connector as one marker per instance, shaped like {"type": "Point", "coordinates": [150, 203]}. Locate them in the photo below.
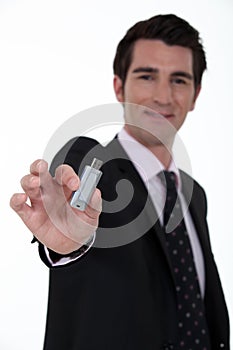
{"type": "Point", "coordinates": [88, 182]}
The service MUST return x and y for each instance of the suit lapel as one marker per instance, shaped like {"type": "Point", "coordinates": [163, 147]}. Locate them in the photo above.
{"type": "Point", "coordinates": [197, 208]}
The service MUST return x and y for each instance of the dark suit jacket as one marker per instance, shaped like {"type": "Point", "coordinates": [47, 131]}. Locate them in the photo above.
{"type": "Point", "coordinates": [121, 293]}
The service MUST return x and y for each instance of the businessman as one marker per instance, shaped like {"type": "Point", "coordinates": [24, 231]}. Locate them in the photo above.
{"type": "Point", "coordinates": [135, 270]}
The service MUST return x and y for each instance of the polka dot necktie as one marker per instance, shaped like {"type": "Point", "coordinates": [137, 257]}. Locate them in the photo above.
{"type": "Point", "coordinates": [192, 327]}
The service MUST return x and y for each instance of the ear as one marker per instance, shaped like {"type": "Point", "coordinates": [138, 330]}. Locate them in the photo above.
{"type": "Point", "coordinates": [197, 92]}
{"type": "Point", "coordinates": [118, 88]}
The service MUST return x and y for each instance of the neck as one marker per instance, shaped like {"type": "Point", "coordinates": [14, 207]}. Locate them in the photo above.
{"type": "Point", "coordinates": [161, 150]}
{"type": "Point", "coordinates": [162, 153]}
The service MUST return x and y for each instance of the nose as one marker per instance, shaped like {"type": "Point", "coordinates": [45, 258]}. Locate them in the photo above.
{"type": "Point", "coordinates": [162, 93]}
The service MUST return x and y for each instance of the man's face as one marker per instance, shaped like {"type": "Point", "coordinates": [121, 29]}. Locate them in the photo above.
{"type": "Point", "coordinates": [159, 80]}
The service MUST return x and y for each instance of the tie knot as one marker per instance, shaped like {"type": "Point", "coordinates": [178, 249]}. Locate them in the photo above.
{"type": "Point", "coordinates": [168, 179]}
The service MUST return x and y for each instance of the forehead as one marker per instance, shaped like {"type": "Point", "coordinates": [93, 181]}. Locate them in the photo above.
{"type": "Point", "coordinates": [157, 54]}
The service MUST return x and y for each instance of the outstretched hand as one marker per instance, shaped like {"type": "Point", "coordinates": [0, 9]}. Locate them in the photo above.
{"type": "Point", "coordinates": [49, 215]}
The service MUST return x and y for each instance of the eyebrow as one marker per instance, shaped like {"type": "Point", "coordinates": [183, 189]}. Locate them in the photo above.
{"type": "Point", "coordinates": [156, 70]}
{"type": "Point", "coordinates": [145, 70]}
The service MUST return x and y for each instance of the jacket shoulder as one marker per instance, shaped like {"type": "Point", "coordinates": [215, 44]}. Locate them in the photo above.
{"type": "Point", "coordinates": [75, 152]}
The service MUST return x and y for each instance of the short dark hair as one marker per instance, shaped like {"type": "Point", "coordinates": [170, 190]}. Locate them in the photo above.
{"type": "Point", "coordinates": [172, 30]}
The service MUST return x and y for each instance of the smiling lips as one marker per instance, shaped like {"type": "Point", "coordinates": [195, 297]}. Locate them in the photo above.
{"type": "Point", "coordinates": [158, 114]}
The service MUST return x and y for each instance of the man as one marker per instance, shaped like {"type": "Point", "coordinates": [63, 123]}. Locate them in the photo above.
{"type": "Point", "coordinates": [115, 282]}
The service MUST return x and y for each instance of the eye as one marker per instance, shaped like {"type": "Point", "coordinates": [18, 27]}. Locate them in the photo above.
{"type": "Point", "coordinates": [147, 77]}
{"type": "Point", "coordinates": [179, 81]}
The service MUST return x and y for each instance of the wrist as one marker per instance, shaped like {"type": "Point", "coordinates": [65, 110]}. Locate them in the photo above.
{"type": "Point", "coordinates": [55, 257]}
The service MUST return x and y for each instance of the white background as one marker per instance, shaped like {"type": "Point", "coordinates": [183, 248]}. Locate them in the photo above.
{"type": "Point", "coordinates": [56, 60]}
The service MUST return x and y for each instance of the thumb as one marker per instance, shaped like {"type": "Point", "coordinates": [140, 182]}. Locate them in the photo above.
{"type": "Point", "coordinates": [94, 207]}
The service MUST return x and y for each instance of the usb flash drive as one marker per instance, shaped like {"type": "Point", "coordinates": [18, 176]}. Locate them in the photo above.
{"type": "Point", "coordinates": [88, 182]}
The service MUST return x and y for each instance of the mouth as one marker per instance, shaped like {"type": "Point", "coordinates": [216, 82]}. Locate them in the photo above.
{"type": "Point", "coordinates": [158, 115]}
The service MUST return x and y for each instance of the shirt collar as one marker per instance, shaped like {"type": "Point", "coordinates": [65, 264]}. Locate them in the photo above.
{"type": "Point", "coordinates": [146, 163]}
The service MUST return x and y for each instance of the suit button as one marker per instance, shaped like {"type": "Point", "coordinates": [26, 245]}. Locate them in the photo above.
{"type": "Point", "coordinates": [221, 345]}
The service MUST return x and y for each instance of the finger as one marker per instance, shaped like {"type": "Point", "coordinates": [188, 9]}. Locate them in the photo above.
{"type": "Point", "coordinates": [31, 186]}
{"type": "Point", "coordinates": [94, 207]}
{"type": "Point", "coordinates": [66, 176]}
{"type": "Point", "coordinates": [38, 167]}
{"type": "Point", "coordinates": [18, 204]}
{"type": "Point", "coordinates": [17, 200]}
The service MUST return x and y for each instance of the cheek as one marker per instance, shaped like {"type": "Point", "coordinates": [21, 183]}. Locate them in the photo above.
{"type": "Point", "coordinates": [185, 101]}
{"type": "Point", "coordinates": [191, 104]}
{"type": "Point", "coordinates": [137, 95]}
